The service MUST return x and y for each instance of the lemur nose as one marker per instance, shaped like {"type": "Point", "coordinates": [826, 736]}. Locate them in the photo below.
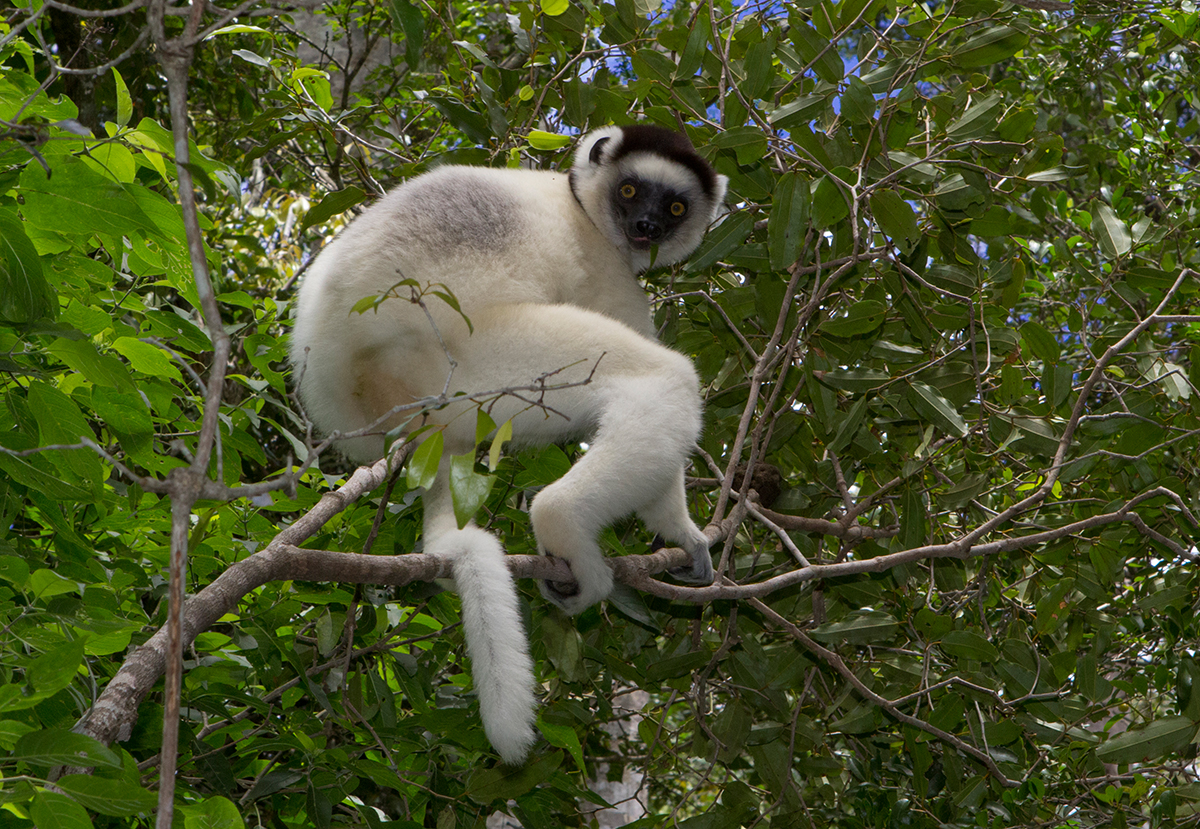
{"type": "Point", "coordinates": [651, 230]}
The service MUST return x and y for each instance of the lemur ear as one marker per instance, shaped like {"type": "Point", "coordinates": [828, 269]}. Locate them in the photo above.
{"type": "Point", "coordinates": [597, 150]}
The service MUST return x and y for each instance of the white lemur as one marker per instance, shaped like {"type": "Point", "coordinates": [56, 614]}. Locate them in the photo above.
{"type": "Point", "coordinates": [544, 265]}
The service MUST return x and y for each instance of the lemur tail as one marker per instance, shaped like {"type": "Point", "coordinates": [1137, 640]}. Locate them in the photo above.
{"type": "Point", "coordinates": [496, 641]}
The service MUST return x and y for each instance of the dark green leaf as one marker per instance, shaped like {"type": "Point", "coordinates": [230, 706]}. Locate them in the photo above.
{"type": "Point", "coordinates": [410, 20]}
{"type": "Point", "coordinates": [506, 782]}
{"type": "Point", "coordinates": [59, 747]}
{"type": "Point", "coordinates": [896, 218]}
{"type": "Point", "coordinates": [1040, 342]}
{"type": "Point", "coordinates": [722, 240]}
{"type": "Point", "coordinates": [979, 119]}
{"type": "Point", "coordinates": [828, 204]}
{"type": "Point", "coordinates": [858, 104]}
{"type": "Point", "coordinates": [788, 220]}
{"type": "Point", "coordinates": [818, 51]}
{"type": "Point", "coordinates": [108, 797]}
{"type": "Point", "coordinates": [51, 810]}
{"type": "Point", "coordinates": [1159, 738]}
{"type": "Point", "coordinates": [862, 318]}
{"type": "Point", "coordinates": [697, 44]}
{"type": "Point", "coordinates": [748, 143]}
{"type": "Point", "coordinates": [24, 294]}
{"type": "Point", "coordinates": [930, 404]}
{"type": "Point", "coordinates": [994, 44]}
{"type": "Point", "coordinates": [863, 627]}
{"type": "Point", "coordinates": [332, 204]}
{"type": "Point", "coordinates": [969, 645]}
{"type": "Point", "coordinates": [468, 488]}
{"type": "Point", "coordinates": [1111, 233]}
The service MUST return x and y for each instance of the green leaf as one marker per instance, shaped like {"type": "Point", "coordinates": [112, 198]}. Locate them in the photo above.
{"type": "Point", "coordinates": [542, 140]}
{"type": "Point", "coordinates": [732, 727]}
{"type": "Point", "coordinates": [1112, 234]}
{"type": "Point", "coordinates": [563, 736]}
{"type": "Point", "coordinates": [979, 119]}
{"type": "Point", "coordinates": [863, 719]}
{"type": "Point", "coordinates": [860, 628]}
{"type": "Point", "coordinates": [759, 68]}
{"type": "Point", "coordinates": [863, 317]}
{"type": "Point", "coordinates": [14, 570]}
{"type": "Point", "coordinates": [851, 12]}
{"type": "Point", "coordinates": [931, 405]}
{"type": "Point", "coordinates": [252, 57]}
{"type": "Point", "coordinates": [35, 473]}
{"type": "Point", "coordinates": [332, 204]}
{"type": "Point", "coordinates": [1040, 342]}
{"type": "Point", "coordinates": [474, 125]}
{"type": "Point", "coordinates": [749, 144]}
{"type": "Point", "coordinates": [914, 517]}
{"type": "Point", "coordinates": [849, 426]}
{"type": "Point", "coordinates": [809, 44]}
{"type": "Point", "coordinates": [1160, 738]}
{"type": "Point", "coordinates": [484, 426]}
{"type": "Point", "coordinates": [896, 218]}
{"type": "Point", "coordinates": [858, 104]}
{"type": "Point", "coordinates": [828, 204]}
{"type": "Point", "coordinates": [146, 358]}
{"type": "Point", "coordinates": [213, 813]}
{"type": "Point", "coordinates": [854, 379]}
{"type": "Point", "coordinates": [676, 666]}
{"type": "Point", "coordinates": [992, 45]}
{"type": "Point", "coordinates": [61, 422]}
{"type": "Point", "coordinates": [651, 64]}
{"type": "Point", "coordinates": [25, 295]}
{"type": "Point", "coordinates": [51, 810]}
{"type": "Point", "coordinates": [722, 240]}
{"type": "Point", "coordinates": [800, 111]}
{"type": "Point", "coordinates": [964, 490]}
{"type": "Point", "coordinates": [468, 488]}
{"type": "Point", "coordinates": [969, 645]}
{"type": "Point", "coordinates": [46, 583]}
{"type": "Point", "coordinates": [409, 18]}
{"type": "Point", "coordinates": [1017, 125]}
{"type": "Point", "coordinates": [563, 646]}
{"type": "Point", "coordinates": [697, 46]}
{"type": "Point", "coordinates": [554, 7]}
{"type": "Point", "coordinates": [80, 201]}
{"type": "Point", "coordinates": [788, 220]}
{"type": "Point", "coordinates": [423, 465]}
{"type": "Point", "coordinates": [507, 782]}
{"type": "Point", "coordinates": [59, 747]}
{"type": "Point", "coordinates": [107, 796]}
{"type": "Point", "coordinates": [124, 102]}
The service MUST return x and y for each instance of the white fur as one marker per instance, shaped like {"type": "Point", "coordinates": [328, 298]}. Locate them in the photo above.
{"type": "Point", "coordinates": [549, 285]}
{"type": "Point", "coordinates": [500, 662]}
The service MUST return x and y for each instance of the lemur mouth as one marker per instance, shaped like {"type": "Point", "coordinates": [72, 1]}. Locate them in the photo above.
{"type": "Point", "coordinates": [640, 242]}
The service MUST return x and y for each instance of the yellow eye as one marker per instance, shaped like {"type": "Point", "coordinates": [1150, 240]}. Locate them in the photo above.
{"type": "Point", "coordinates": [628, 191]}
{"type": "Point", "coordinates": [678, 208]}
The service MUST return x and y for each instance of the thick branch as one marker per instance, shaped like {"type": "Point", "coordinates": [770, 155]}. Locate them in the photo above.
{"type": "Point", "coordinates": [113, 715]}
{"type": "Point", "coordinates": [115, 712]}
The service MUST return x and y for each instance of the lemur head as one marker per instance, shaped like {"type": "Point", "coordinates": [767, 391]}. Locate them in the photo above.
{"type": "Point", "coordinates": [645, 187]}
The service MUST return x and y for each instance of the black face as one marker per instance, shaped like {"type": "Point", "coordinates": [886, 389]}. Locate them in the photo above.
{"type": "Point", "coordinates": [648, 212]}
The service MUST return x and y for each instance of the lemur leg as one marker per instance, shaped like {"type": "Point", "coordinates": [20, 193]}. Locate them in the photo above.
{"type": "Point", "coordinates": [636, 402]}
{"type": "Point", "coordinates": [662, 516]}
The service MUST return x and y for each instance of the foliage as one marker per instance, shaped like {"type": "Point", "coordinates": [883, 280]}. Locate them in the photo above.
{"type": "Point", "coordinates": [953, 305]}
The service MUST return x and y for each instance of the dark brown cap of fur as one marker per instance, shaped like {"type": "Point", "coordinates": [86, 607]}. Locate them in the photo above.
{"type": "Point", "coordinates": [644, 138]}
